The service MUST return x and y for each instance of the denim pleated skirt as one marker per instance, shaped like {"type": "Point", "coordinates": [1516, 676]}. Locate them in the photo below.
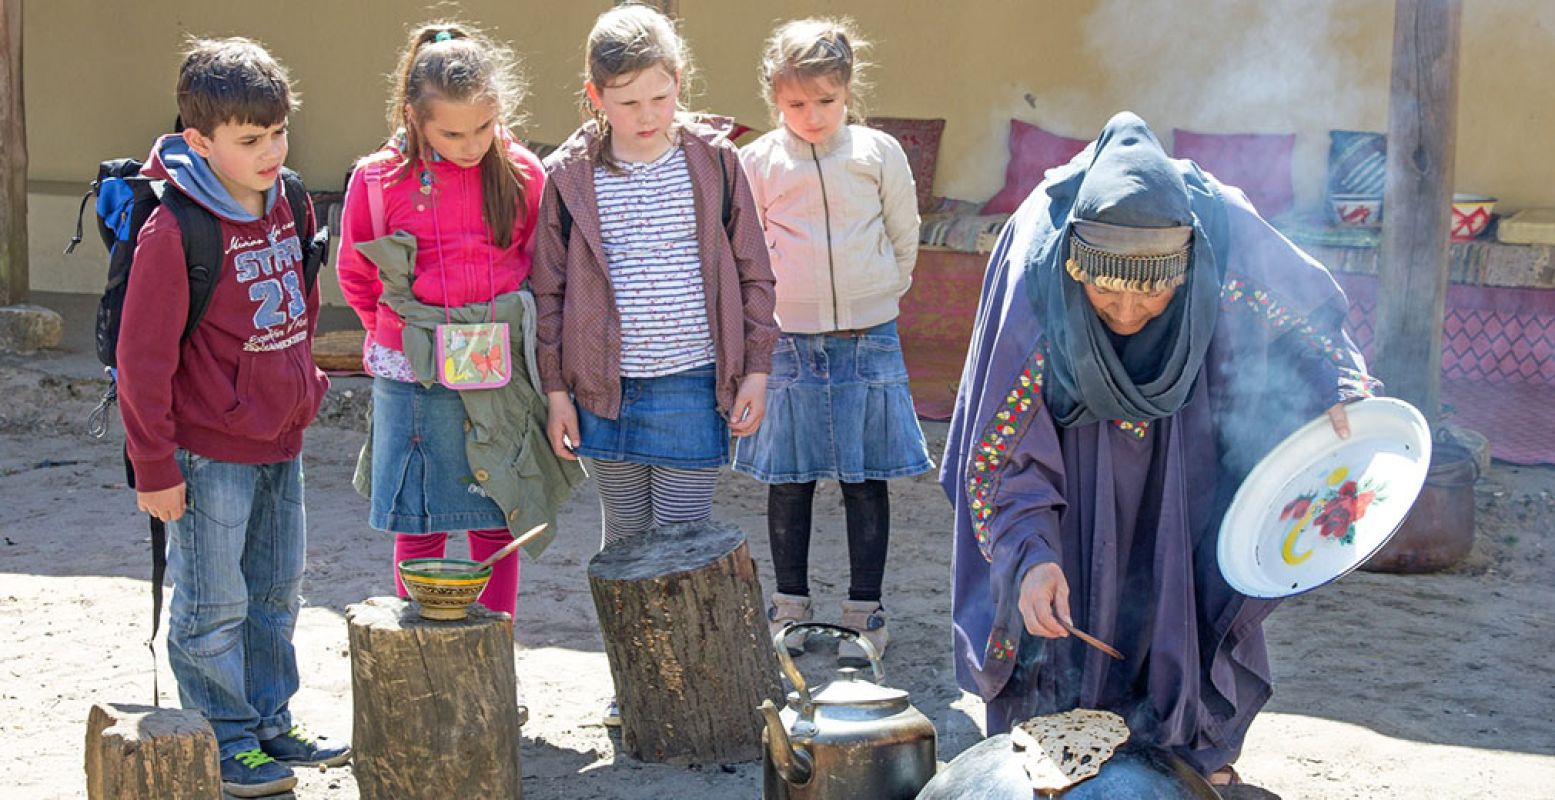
{"type": "Point", "coordinates": [838, 408]}
{"type": "Point", "coordinates": [669, 421]}
{"type": "Point", "coordinates": [422, 481]}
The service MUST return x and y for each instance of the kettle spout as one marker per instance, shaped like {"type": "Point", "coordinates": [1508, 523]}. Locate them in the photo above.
{"type": "Point", "coordinates": [793, 765]}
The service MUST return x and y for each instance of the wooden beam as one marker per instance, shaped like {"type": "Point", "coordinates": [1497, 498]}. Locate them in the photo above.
{"type": "Point", "coordinates": [1417, 210]}
{"type": "Point", "coordinates": [13, 159]}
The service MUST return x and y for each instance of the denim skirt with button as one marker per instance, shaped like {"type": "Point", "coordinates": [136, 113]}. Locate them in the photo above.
{"type": "Point", "coordinates": [669, 421]}
{"type": "Point", "coordinates": [838, 408]}
{"type": "Point", "coordinates": [421, 476]}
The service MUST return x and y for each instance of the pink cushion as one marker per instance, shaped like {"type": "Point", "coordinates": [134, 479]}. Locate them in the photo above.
{"type": "Point", "coordinates": [920, 139]}
{"type": "Point", "coordinates": [1033, 151]}
{"type": "Point", "coordinates": [1257, 163]}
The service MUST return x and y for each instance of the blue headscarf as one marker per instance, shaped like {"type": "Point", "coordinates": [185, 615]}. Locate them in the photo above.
{"type": "Point", "coordinates": [1125, 178]}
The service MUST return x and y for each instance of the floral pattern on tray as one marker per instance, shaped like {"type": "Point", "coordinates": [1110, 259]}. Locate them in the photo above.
{"type": "Point", "coordinates": [1334, 510]}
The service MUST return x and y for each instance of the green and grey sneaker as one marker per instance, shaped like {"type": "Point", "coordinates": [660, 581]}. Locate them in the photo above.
{"type": "Point", "coordinates": [252, 773]}
{"type": "Point", "coordinates": [300, 749]}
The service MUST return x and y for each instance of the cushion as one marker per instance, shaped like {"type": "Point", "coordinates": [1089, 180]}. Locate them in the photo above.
{"type": "Point", "coordinates": [1257, 163]}
{"type": "Point", "coordinates": [1033, 151]}
{"type": "Point", "coordinates": [1357, 163]}
{"type": "Point", "coordinates": [920, 139]}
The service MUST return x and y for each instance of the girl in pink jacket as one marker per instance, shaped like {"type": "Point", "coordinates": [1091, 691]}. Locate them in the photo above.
{"type": "Point", "coordinates": [452, 176]}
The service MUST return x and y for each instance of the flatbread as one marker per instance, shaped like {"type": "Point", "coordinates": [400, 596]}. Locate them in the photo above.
{"type": "Point", "coordinates": [1060, 750]}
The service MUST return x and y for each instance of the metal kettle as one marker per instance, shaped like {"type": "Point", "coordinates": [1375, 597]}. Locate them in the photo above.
{"type": "Point", "coordinates": [851, 739]}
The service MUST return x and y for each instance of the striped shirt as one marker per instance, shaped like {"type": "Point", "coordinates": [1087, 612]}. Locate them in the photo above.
{"type": "Point", "coordinates": [647, 220]}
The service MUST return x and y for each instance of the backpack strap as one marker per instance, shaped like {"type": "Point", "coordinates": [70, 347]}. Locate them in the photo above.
{"type": "Point", "coordinates": [723, 185]}
{"type": "Point", "coordinates": [203, 251]}
{"type": "Point", "coordinates": [315, 240]}
{"type": "Point", "coordinates": [373, 179]}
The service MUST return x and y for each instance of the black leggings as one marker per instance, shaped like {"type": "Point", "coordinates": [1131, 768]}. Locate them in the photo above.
{"type": "Point", "coordinates": [868, 508]}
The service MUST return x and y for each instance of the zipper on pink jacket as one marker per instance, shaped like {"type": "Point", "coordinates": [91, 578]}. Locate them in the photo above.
{"type": "Point", "coordinates": [831, 267]}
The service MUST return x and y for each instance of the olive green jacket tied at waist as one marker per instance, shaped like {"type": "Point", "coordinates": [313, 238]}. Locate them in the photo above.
{"type": "Point", "coordinates": [505, 439]}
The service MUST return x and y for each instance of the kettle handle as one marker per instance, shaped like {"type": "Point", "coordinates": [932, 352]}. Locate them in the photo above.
{"type": "Point", "coordinates": [825, 629]}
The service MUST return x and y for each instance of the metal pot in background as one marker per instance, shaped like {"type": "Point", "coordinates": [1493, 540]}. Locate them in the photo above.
{"type": "Point", "coordinates": [1439, 530]}
{"type": "Point", "coordinates": [851, 739]}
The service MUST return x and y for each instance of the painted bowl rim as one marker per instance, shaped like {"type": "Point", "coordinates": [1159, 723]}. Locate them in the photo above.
{"type": "Point", "coordinates": [409, 567]}
{"type": "Point", "coordinates": [1472, 199]}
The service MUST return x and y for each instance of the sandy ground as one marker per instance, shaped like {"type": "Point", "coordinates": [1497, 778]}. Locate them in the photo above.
{"type": "Point", "coordinates": [1388, 687]}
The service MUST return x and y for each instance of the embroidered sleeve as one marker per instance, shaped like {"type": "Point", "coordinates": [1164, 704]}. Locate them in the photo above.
{"type": "Point", "coordinates": [990, 458]}
{"type": "Point", "coordinates": [1333, 346]}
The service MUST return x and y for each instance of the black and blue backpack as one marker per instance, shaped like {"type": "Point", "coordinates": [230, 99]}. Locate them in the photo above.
{"type": "Point", "coordinates": [125, 200]}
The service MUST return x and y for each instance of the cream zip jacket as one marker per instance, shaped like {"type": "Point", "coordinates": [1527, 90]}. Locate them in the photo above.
{"type": "Point", "coordinates": [841, 223]}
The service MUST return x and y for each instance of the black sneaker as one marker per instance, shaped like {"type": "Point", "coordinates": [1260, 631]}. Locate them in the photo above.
{"type": "Point", "coordinates": [300, 749]}
{"type": "Point", "coordinates": [252, 773]}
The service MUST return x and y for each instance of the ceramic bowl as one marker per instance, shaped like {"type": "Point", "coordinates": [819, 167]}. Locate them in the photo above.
{"type": "Point", "coordinates": [1357, 210]}
{"type": "Point", "coordinates": [1470, 215]}
{"type": "Point", "coordinates": [443, 588]}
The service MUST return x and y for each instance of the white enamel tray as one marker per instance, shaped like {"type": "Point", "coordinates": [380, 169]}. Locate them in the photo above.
{"type": "Point", "coordinates": [1318, 506]}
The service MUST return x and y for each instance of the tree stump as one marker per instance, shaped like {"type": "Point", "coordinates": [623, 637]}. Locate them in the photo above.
{"type": "Point", "coordinates": [680, 610]}
{"type": "Point", "coordinates": [144, 753]}
{"type": "Point", "coordinates": [435, 704]}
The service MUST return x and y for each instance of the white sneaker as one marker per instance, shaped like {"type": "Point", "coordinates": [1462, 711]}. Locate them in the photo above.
{"type": "Point", "coordinates": [786, 610]}
{"type": "Point", "coordinates": [867, 617]}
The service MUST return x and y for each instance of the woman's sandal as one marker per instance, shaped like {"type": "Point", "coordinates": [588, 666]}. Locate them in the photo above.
{"type": "Point", "coordinates": [1225, 776]}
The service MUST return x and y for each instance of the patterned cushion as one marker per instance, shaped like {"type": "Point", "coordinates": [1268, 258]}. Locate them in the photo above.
{"type": "Point", "coordinates": [1257, 163]}
{"type": "Point", "coordinates": [1033, 151]}
{"type": "Point", "coordinates": [1357, 164]}
{"type": "Point", "coordinates": [920, 138]}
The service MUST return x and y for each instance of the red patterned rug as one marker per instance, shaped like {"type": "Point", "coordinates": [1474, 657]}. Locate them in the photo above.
{"type": "Point", "coordinates": [1498, 362]}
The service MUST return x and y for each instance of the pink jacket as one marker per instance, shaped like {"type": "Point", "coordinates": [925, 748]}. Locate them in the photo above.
{"type": "Point", "coordinates": [453, 248]}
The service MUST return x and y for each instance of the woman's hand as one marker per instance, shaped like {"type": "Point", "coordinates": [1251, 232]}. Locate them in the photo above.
{"type": "Point", "coordinates": [561, 425]}
{"type": "Point", "coordinates": [1340, 420]}
{"type": "Point", "coordinates": [1044, 601]}
{"type": "Point", "coordinates": [750, 405]}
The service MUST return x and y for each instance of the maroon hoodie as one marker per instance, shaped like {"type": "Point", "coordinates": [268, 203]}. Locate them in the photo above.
{"type": "Point", "coordinates": [243, 386]}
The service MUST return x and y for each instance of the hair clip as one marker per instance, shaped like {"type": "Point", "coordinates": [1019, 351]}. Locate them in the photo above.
{"type": "Point", "coordinates": [443, 36]}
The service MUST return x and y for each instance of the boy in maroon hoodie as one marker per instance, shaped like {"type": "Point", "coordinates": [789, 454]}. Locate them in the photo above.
{"type": "Point", "coordinates": [214, 421]}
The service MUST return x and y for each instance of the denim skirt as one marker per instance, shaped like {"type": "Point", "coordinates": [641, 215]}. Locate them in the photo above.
{"type": "Point", "coordinates": [421, 476]}
{"type": "Point", "coordinates": [838, 408]}
{"type": "Point", "coordinates": [669, 421]}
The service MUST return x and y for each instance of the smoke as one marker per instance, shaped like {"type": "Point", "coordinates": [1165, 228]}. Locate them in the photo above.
{"type": "Point", "coordinates": [1230, 66]}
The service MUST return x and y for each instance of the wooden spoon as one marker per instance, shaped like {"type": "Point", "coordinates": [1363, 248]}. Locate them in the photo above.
{"type": "Point", "coordinates": [1092, 640]}
{"type": "Point", "coordinates": [508, 548]}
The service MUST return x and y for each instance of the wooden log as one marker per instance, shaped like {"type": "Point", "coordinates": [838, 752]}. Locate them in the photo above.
{"type": "Point", "coordinates": [13, 159]}
{"type": "Point", "coordinates": [145, 753]}
{"type": "Point", "coordinates": [435, 704]}
{"type": "Point", "coordinates": [1422, 137]}
{"type": "Point", "coordinates": [680, 610]}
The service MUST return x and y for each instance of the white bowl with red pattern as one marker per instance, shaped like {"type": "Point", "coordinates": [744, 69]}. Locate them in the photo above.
{"type": "Point", "coordinates": [1470, 215]}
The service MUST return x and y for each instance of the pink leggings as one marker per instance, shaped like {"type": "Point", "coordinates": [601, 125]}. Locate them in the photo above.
{"type": "Point", "coordinates": [501, 592]}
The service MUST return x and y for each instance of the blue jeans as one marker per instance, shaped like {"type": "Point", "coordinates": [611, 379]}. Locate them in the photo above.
{"type": "Point", "coordinates": [236, 559]}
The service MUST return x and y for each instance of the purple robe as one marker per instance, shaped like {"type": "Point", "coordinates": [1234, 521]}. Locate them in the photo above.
{"type": "Point", "coordinates": [1131, 509]}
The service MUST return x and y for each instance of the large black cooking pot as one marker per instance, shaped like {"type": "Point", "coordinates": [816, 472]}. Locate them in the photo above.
{"type": "Point", "coordinates": [992, 770]}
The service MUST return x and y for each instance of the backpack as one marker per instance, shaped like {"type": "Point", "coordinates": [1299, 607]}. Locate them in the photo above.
{"type": "Point", "coordinates": [125, 200]}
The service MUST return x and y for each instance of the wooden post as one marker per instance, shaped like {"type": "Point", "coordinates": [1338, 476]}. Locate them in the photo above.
{"type": "Point", "coordinates": [435, 704]}
{"type": "Point", "coordinates": [1417, 211]}
{"type": "Point", "coordinates": [13, 159]}
{"type": "Point", "coordinates": [680, 609]}
{"type": "Point", "coordinates": [144, 753]}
